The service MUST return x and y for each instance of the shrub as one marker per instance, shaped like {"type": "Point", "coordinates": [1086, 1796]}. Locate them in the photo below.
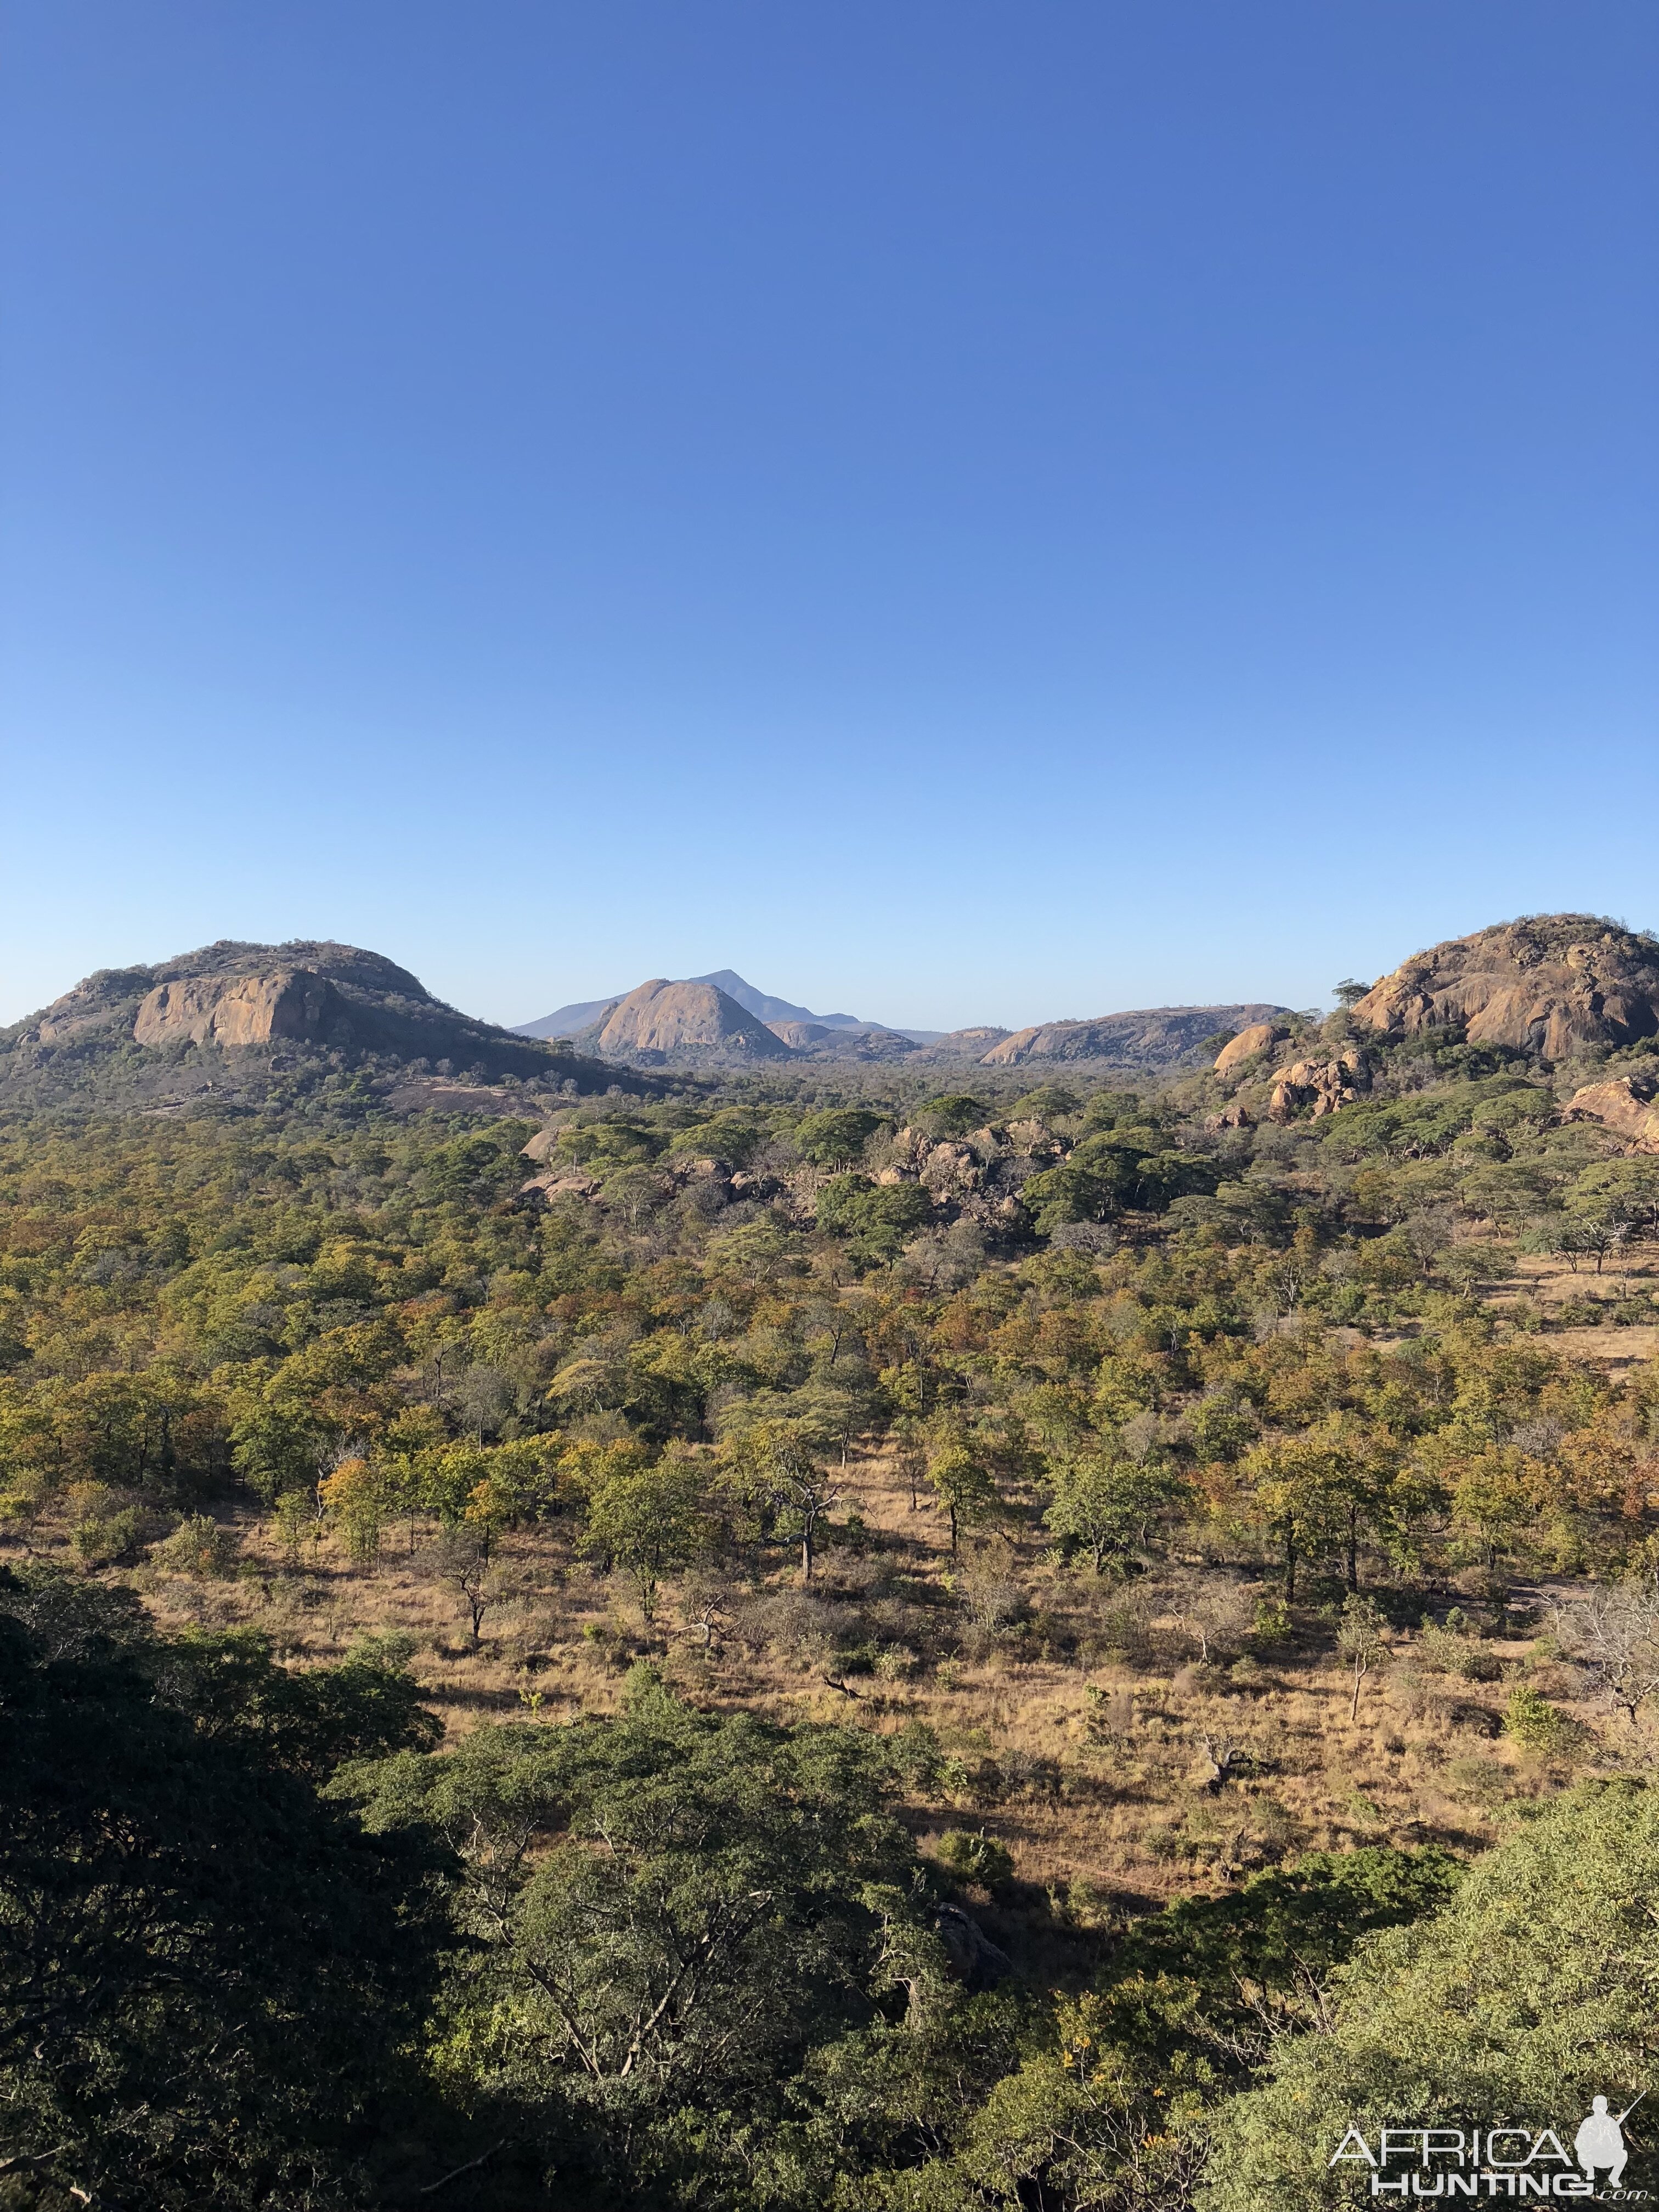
{"type": "Point", "coordinates": [972, 1856]}
{"type": "Point", "coordinates": [1272, 1624]}
{"type": "Point", "coordinates": [113, 1529]}
{"type": "Point", "coordinates": [1442, 1651]}
{"type": "Point", "coordinates": [914, 1752]}
{"type": "Point", "coordinates": [1540, 1727]}
{"type": "Point", "coordinates": [197, 1546]}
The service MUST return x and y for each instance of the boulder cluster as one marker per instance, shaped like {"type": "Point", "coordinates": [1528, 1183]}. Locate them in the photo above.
{"type": "Point", "coordinates": [976, 1178]}
{"type": "Point", "coordinates": [1552, 985]}
{"type": "Point", "coordinates": [1302, 1088]}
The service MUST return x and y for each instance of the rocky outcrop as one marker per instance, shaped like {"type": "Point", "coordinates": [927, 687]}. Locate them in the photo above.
{"type": "Point", "coordinates": [977, 1178]}
{"type": "Point", "coordinates": [711, 1184]}
{"type": "Point", "coordinates": [867, 1044]}
{"type": "Point", "coordinates": [1628, 1106]}
{"type": "Point", "coordinates": [269, 1002]}
{"type": "Point", "coordinates": [233, 1011]}
{"type": "Point", "coordinates": [1551, 984]}
{"type": "Point", "coordinates": [560, 1183]}
{"type": "Point", "coordinates": [798, 1035]}
{"type": "Point", "coordinates": [966, 1044]}
{"type": "Point", "coordinates": [1249, 1044]}
{"type": "Point", "coordinates": [1159, 1037]}
{"type": "Point", "coordinates": [1317, 1087]}
{"type": "Point", "coordinates": [660, 1019]}
{"type": "Point", "coordinates": [972, 1958]}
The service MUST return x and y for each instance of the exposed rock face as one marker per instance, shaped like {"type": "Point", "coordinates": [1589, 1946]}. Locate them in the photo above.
{"type": "Point", "coordinates": [1629, 1106]}
{"type": "Point", "coordinates": [427, 1094]}
{"type": "Point", "coordinates": [1260, 1036]}
{"type": "Point", "coordinates": [662, 1018]}
{"type": "Point", "coordinates": [1553, 984]}
{"type": "Point", "coordinates": [261, 998]}
{"type": "Point", "coordinates": [1324, 1085]}
{"type": "Point", "coordinates": [974, 1960]}
{"type": "Point", "coordinates": [949, 1171]}
{"type": "Point", "coordinates": [1161, 1036]}
{"type": "Point", "coordinates": [236, 1010]}
{"type": "Point", "coordinates": [798, 1035]}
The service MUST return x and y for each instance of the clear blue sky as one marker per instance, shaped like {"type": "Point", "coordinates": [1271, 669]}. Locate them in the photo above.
{"type": "Point", "coordinates": [960, 512]}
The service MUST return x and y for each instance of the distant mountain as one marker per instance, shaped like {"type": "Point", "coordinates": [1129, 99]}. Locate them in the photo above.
{"type": "Point", "coordinates": [570, 1021]}
{"type": "Point", "coordinates": [1156, 1037]}
{"type": "Point", "coordinates": [959, 1044]}
{"type": "Point", "coordinates": [767, 1009]}
{"type": "Point", "coordinates": [565, 1021]}
{"type": "Point", "coordinates": [683, 1022]}
{"type": "Point", "coordinates": [663, 1023]}
{"type": "Point", "coordinates": [222, 1016]}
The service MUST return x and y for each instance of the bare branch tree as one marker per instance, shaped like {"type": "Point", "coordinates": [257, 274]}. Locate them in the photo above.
{"type": "Point", "coordinates": [463, 1564]}
{"type": "Point", "coordinates": [1614, 1637]}
{"type": "Point", "coordinates": [1360, 1640]}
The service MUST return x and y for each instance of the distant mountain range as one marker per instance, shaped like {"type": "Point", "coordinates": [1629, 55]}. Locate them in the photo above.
{"type": "Point", "coordinates": [720, 1018]}
{"type": "Point", "coordinates": [232, 1019]}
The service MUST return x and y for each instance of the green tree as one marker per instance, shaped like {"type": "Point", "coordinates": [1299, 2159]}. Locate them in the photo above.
{"type": "Point", "coordinates": [670, 1910]}
{"type": "Point", "coordinates": [1105, 1501]}
{"type": "Point", "coordinates": [1530, 1993]}
{"type": "Point", "coordinates": [1321, 1489]}
{"type": "Point", "coordinates": [877, 1220]}
{"type": "Point", "coordinates": [210, 1980]}
{"type": "Point", "coordinates": [651, 1520]}
{"type": "Point", "coordinates": [962, 1483]}
{"type": "Point", "coordinates": [777, 1463]}
{"type": "Point", "coordinates": [280, 1447]}
{"type": "Point", "coordinates": [1110, 2099]}
{"type": "Point", "coordinates": [837, 1136]}
{"type": "Point", "coordinates": [954, 1114]}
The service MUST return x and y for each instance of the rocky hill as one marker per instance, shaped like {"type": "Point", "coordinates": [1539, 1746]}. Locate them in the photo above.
{"type": "Point", "coordinates": [1156, 1037]}
{"type": "Point", "coordinates": [697, 1024]}
{"type": "Point", "coordinates": [220, 1018]}
{"type": "Point", "coordinates": [584, 1013]}
{"type": "Point", "coordinates": [1554, 984]}
{"type": "Point", "coordinates": [683, 1022]}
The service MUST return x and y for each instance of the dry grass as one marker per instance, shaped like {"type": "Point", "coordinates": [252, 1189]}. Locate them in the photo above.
{"type": "Point", "coordinates": [1090, 1769]}
{"type": "Point", "coordinates": [1551, 1283]}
